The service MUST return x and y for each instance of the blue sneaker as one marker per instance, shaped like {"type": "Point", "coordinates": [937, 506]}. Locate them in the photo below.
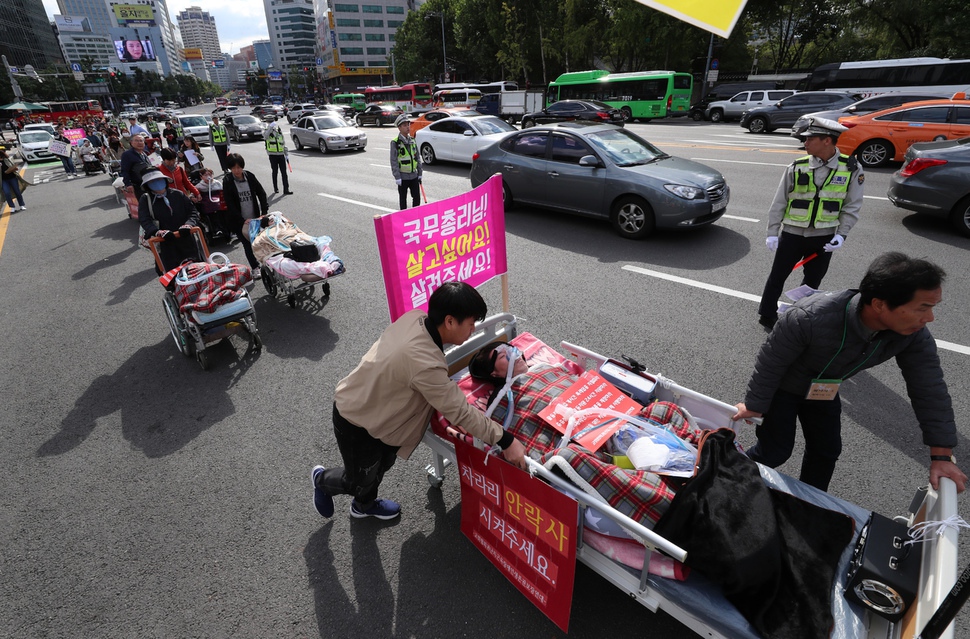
{"type": "Point", "coordinates": [382, 509]}
{"type": "Point", "coordinates": [321, 500]}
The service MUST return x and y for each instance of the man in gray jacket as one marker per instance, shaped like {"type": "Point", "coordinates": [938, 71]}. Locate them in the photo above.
{"type": "Point", "coordinates": [825, 339]}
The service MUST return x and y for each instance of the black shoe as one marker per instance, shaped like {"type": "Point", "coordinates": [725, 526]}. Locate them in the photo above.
{"type": "Point", "coordinates": [768, 321]}
{"type": "Point", "coordinates": [287, 192]}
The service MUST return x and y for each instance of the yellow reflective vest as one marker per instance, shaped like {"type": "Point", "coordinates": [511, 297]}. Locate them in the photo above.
{"type": "Point", "coordinates": [275, 143]}
{"type": "Point", "coordinates": [218, 134]}
{"type": "Point", "coordinates": [407, 154]}
{"type": "Point", "coordinates": [818, 207]}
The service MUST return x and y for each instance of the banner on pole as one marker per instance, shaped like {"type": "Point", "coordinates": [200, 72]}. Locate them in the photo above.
{"type": "Point", "coordinates": [458, 239]}
{"type": "Point", "coordinates": [526, 528]}
{"type": "Point", "coordinates": [717, 17]}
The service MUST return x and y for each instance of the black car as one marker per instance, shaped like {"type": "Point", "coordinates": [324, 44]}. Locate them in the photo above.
{"type": "Point", "coordinates": [935, 180]}
{"type": "Point", "coordinates": [697, 111]}
{"type": "Point", "coordinates": [784, 113]}
{"type": "Point", "coordinates": [568, 110]}
{"type": "Point", "coordinates": [379, 114]}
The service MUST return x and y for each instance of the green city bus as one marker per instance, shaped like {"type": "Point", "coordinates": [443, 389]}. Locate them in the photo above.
{"type": "Point", "coordinates": [642, 95]}
{"type": "Point", "coordinates": [355, 100]}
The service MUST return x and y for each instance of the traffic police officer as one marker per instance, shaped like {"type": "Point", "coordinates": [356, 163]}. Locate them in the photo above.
{"type": "Point", "coordinates": [276, 149]}
{"type": "Point", "coordinates": [219, 138]}
{"type": "Point", "coordinates": [152, 127]}
{"type": "Point", "coordinates": [405, 162]}
{"type": "Point", "coordinates": [815, 207]}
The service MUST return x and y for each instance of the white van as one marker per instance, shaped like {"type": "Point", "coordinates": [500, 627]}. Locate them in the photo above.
{"type": "Point", "coordinates": [450, 98]}
{"type": "Point", "coordinates": [196, 126]}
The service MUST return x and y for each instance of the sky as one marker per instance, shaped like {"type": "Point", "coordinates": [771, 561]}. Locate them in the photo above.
{"type": "Point", "coordinates": [239, 22]}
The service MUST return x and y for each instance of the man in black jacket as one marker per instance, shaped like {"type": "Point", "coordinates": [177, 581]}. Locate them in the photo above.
{"type": "Point", "coordinates": [825, 339]}
{"type": "Point", "coordinates": [245, 200]}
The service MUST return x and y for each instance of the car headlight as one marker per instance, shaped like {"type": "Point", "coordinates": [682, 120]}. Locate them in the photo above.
{"type": "Point", "coordinates": [333, 138]}
{"type": "Point", "coordinates": [686, 192]}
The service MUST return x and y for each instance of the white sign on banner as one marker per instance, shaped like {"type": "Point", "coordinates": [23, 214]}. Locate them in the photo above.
{"type": "Point", "coordinates": [60, 148]}
{"type": "Point", "coordinates": [712, 75]}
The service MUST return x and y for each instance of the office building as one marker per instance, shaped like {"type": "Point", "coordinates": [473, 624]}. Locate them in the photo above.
{"type": "Point", "coordinates": [292, 33]}
{"type": "Point", "coordinates": [264, 53]}
{"type": "Point", "coordinates": [81, 44]}
{"type": "Point", "coordinates": [97, 12]}
{"type": "Point", "coordinates": [152, 17]}
{"type": "Point", "coordinates": [198, 30]}
{"type": "Point", "coordinates": [28, 37]}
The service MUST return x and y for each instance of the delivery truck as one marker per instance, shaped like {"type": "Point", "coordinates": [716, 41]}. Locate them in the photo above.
{"type": "Point", "coordinates": [511, 105]}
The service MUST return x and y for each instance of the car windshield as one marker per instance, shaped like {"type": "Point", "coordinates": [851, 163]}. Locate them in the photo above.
{"type": "Point", "coordinates": [193, 120]}
{"type": "Point", "coordinates": [487, 126]}
{"type": "Point", "coordinates": [329, 123]}
{"type": "Point", "coordinates": [35, 136]}
{"type": "Point", "coordinates": [244, 119]}
{"type": "Point", "coordinates": [624, 148]}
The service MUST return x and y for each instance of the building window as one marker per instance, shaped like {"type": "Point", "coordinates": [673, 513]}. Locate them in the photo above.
{"type": "Point", "coordinates": [351, 51]}
{"type": "Point", "coordinates": [394, 24]}
{"type": "Point", "coordinates": [376, 51]}
{"type": "Point", "coordinates": [346, 8]}
{"type": "Point", "coordinates": [377, 64]}
{"type": "Point", "coordinates": [391, 37]}
{"type": "Point", "coordinates": [353, 64]}
{"type": "Point", "coordinates": [372, 8]}
{"type": "Point", "coordinates": [348, 22]}
{"type": "Point", "coordinates": [374, 23]}
{"type": "Point", "coordinates": [395, 10]}
{"type": "Point", "coordinates": [375, 37]}
{"type": "Point", "coordinates": [348, 36]}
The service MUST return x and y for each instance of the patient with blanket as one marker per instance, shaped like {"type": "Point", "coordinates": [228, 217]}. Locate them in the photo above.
{"type": "Point", "coordinates": [272, 237]}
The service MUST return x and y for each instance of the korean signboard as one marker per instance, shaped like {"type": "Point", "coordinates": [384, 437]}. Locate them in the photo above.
{"type": "Point", "coordinates": [458, 239]}
{"type": "Point", "coordinates": [131, 14]}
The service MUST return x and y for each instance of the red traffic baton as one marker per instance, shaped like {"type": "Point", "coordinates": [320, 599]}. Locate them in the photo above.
{"type": "Point", "coordinates": [423, 194]}
{"type": "Point", "coordinates": [805, 261]}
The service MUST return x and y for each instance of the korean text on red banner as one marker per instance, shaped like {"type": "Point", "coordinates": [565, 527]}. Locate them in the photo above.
{"type": "Point", "coordinates": [458, 239]}
{"type": "Point", "coordinates": [524, 526]}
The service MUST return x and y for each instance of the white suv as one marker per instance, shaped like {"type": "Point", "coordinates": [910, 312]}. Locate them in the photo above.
{"type": "Point", "coordinates": [724, 110]}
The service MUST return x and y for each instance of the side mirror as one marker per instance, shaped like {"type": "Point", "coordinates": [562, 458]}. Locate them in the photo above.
{"type": "Point", "coordinates": [590, 160]}
{"type": "Point", "coordinates": [777, 105]}
{"type": "Point", "coordinates": [468, 133]}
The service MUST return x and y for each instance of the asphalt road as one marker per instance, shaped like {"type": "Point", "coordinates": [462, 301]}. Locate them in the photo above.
{"type": "Point", "coordinates": [144, 497]}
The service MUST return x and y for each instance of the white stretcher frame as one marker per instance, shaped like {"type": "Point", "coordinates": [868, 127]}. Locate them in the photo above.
{"type": "Point", "coordinates": [939, 566]}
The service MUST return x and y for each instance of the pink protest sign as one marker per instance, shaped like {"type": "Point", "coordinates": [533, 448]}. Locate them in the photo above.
{"type": "Point", "coordinates": [458, 239]}
{"type": "Point", "coordinates": [74, 135]}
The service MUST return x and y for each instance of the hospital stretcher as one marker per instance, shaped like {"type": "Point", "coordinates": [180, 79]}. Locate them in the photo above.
{"type": "Point", "coordinates": [696, 602]}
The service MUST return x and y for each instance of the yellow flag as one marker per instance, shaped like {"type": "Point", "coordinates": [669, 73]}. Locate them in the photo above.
{"type": "Point", "coordinates": [716, 16]}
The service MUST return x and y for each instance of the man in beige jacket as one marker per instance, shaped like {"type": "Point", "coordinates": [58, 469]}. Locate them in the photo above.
{"type": "Point", "coordinates": [382, 408]}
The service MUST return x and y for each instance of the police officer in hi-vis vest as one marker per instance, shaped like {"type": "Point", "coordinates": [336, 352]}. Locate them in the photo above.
{"type": "Point", "coordinates": [276, 150]}
{"type": "Point", "coordinates": [219, 139]}
{"type": "Point", "coordinates": [405, 162]}
{"type": "Point", "coordinates": [815, 207]}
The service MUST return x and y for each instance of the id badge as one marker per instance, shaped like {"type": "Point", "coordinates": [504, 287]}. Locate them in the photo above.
{"type": "Point", "coordinates": [823, 389]}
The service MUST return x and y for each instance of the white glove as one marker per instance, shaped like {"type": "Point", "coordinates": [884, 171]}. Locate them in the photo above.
{"type": "Point", "coordinates": [836, 242]}
{"type": "Point", "coordinates": [398, 182]}
{"type": "Point", "coordinates": [772, 242]}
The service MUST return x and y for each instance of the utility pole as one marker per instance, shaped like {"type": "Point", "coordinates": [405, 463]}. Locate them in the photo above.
{"type": "Point", "coordinates": [13, 81]}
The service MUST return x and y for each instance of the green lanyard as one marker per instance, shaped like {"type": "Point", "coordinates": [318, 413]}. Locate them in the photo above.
{"type": "Point", "coordinates": [845, 330]}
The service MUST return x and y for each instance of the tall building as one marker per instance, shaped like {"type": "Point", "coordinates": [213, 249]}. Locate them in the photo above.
{"type": "Point", "coordinates": [80, 44]}
{"type": "Point", "coordinates": [96, 11]}
{"type": "Point", "coordinates": [152, 15]}
{"type": "Point", "coordinates": [355, 40]}
{"type": "Point", "coordinates": [264, 53]}
{"type": "Point", "coordinates": [198, 30]}
{"type": "Point", "coordinates": [292, 32]}
{"type": "Point", "coordinates": [28, 37]}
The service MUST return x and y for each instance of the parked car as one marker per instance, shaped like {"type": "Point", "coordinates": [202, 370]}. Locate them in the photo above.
{"type": "Point", "coordinates": [783, 114]}
{"type": "Point", "coordinates": [935, 180]}
{"type": "Point", "coordinates": [327, 133]}
{"type": "Point", "coordinates": [457, 139]}
{"type": "Point", "coordinates": [884, 136]}
{"type": "Point", "coordinates": [733, 108]}
{"type": "Point", "coordinates": [34, 144]}
{"type": "Point", "coordinates": [378, 114]}
{"type": "Point", "coordinates": [244, 127]}
{"type": "Point", "coordinates": [599, 170]}
{"type": "Point", "coordinates": [294, 112]}
{"type": "Point", "coordinates": [568, 110]}
{"type": "Point", "coordinates": [434, 115]}
{"type": "Point", "coordinates": [862, 107]}
{"type": "Point", "coordinates": [196, 126]}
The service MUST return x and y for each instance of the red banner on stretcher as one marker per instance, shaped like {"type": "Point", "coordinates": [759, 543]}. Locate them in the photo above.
{"type": "Point", "coordinates": [525, 527]}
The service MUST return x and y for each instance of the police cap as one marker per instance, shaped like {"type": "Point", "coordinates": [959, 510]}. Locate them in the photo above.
{"type": "Point", "coordinates": [822, 126]}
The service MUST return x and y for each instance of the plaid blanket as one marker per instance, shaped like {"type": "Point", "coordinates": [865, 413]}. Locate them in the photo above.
{"type": "Point", "coordinates": [640, 495]}
{"type": "Point", "coordinates": [204, 286]}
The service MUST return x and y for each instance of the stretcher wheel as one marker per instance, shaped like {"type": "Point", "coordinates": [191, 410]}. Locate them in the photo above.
{"type": "Point", "coordinates": [269, 283]}
{"type": "Point", "coordinates": [435, 482]}
{"type": "Point", "coordinates": [291, 300]}
{"type": "Point", "coordinates": [203, 359]}
{"type": "Point", "coordinates": [177, 325]}
{"type": "Point", "coordinates": [326, 289]}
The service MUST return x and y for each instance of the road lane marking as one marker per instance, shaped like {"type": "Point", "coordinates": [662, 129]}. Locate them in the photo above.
{"type": "Point", "coordinates": [357, 202]}
{"type": "Point", "coordinates": [949, 346]}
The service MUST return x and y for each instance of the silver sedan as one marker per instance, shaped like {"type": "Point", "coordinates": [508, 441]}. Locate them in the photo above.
{"type": "Point", "coordinates": [599, 170]}
{"type": "Point", "coordinates": [327, 133]}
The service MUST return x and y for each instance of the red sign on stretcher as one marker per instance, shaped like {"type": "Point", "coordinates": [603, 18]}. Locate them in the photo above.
{"type": "Point", "coordinates": [524, 526]}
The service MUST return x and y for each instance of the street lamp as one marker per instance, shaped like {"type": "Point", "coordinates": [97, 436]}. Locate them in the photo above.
{"type": "Point", "coordinates": [444, 55]}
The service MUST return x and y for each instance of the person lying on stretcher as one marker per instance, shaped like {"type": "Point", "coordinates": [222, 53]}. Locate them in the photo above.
{"type": "Point", "coordinates": [642, 495]}
{"type": "Point", "coordinates": [277, 245]}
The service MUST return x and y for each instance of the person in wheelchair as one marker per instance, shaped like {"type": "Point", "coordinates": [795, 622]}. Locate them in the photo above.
{"type": "Point", "coordinates": [162, 210]}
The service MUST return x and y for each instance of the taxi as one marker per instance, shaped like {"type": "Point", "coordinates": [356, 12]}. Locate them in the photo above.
{"type": "Point", "coordinates": [884, 136]}
{"type": "Point", "coordinates": [434, 115]}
